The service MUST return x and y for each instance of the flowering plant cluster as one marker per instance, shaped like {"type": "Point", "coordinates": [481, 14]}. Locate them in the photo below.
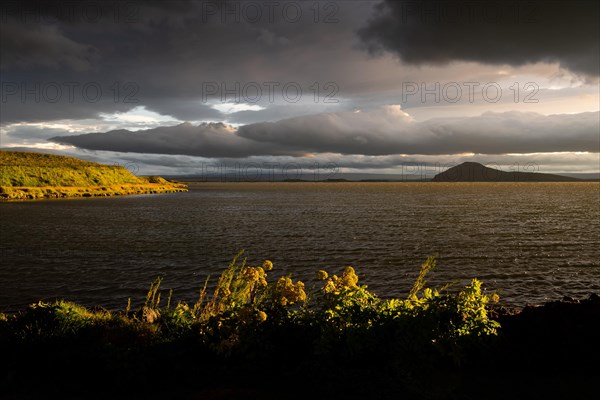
{"type": "Point", "coordinates": [245, 302]}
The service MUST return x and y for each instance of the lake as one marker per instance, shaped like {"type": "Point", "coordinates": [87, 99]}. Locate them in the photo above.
{"type": "Point", "coordinates": [530, 242]}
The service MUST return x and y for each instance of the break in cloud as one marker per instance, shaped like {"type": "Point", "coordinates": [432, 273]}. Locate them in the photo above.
{"type": "Point", "coordinates": [379, 132]}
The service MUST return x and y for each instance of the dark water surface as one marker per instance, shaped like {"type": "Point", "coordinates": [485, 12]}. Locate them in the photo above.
{"type": "Point", "coordinates": [529, 241]}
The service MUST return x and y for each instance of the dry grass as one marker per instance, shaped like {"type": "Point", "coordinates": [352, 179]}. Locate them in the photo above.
{"type": "Point", "coordinates": [12, 193]}
{"type": "Point", "coordinates": [31, 176]}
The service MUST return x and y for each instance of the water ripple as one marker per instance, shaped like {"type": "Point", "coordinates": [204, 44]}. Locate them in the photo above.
{"type": "Point", "coordinates": [530, 242]}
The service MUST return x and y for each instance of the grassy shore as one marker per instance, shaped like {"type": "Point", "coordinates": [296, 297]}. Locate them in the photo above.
{"type": "Point", "coordinates": [12, 193]}
{"type": "Point", "coordinates": [30, 176]}
{"type": "Point", "coordinates": [253, 337]}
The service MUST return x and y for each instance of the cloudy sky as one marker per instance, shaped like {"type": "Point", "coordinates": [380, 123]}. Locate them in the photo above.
{"type": "Point", "coordinates": [176, 87]}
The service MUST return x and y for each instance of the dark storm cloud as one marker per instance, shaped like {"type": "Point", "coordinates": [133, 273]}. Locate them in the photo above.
{"type": "Point", "coordinates": [167, 51]}
{"type": "Point", "coordinates": [492, 32]}
{"type": "Point", "coordinates": [206, 140]}
{"type": "Point", "coordinates": [390, 131]}
{"type": "Point", "coordinates": [43, 45]}
{"type": "Point", "coordinates": [161, 54]}
{"type": "Point", "coordinates": [380, 132]}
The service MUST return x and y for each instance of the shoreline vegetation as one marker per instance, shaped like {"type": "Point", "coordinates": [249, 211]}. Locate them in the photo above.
{"type": "Point", "coordinates": [34, 176]}
{"type": "Point", "coordinates": [255, 337]}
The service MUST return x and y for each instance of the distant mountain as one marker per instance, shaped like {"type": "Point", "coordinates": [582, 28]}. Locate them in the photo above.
{"type": "Point", "coordinates": [475, 172]}
{"type": "Point", "coordinates": [590, 176]}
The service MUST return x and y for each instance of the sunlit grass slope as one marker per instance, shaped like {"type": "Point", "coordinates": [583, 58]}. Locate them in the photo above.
{"type": "Point", "coordinates": [36, 169]}
{"type": "Point", "coordinates": [35, 175]}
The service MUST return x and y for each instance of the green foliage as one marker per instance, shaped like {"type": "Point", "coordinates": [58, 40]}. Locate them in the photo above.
{"type": "Point", "coordinates": [343, 303]}
{"type": "Point", "coordinates": [420, 282]}
{"type": "Point", "coordinates": [176, 322]}
{"type": "Point", "coordinates": [244, 302]}
{"type": "Point", "coordinates": [471, 306]}
{"type": "Point", "coordinates": [59, 319]}
{"type": "Point", "coordinates": [337, 339]}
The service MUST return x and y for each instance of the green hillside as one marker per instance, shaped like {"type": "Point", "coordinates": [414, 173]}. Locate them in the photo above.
{"type": "Point", "coordinates": [28, 176]}
{"type": "Point", "coordinates": [36, 169]}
